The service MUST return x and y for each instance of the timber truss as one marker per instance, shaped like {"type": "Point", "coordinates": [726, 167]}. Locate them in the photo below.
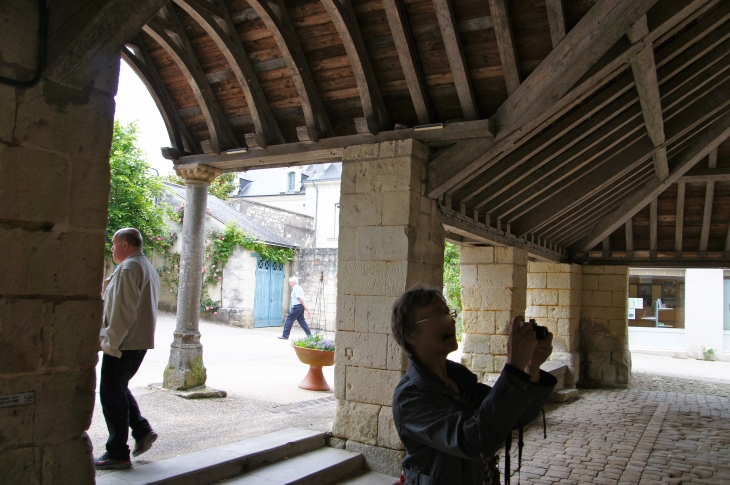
{"type": "Point", "coordinates": [583, 131]}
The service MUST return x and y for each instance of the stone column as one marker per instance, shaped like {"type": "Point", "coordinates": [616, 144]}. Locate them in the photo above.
{"type": "Point", "coordinates": [554, 301]}
{"type": "Point", "coordinates": [185, 369]}
{"type": "Point", "coordinates": [391, 237]}
{"type": "Point", "coordinates": [604, 327]}
{"type": "Point", "coordinates": [493, 291]}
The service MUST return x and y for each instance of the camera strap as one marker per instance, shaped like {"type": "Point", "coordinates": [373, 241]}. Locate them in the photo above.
{"type": "Point", "coordinates": [520, 445]}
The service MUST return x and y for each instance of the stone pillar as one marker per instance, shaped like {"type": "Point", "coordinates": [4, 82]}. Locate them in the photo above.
{"type": "Point", "coordinates": [54, 192]}
{"type": "Point", "coordinates": [493, 291]}
{"type": "Point", "coordinates": [185, 369]}
{"type": "Point", "coordinates": [554, 301]}
{"type": "Point", "coordinates": [391, 238]}
{"type": "Point", "coordinates": [604, 327]}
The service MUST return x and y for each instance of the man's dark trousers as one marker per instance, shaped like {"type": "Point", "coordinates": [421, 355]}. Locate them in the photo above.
{"type": "Point", "coordinates": [120, 408]}
{"type": "Point", "coordinates": [296, 313]}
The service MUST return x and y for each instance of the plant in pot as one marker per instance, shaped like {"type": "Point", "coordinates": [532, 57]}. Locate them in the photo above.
{"type": "Point", "coordinates": [316, 351]}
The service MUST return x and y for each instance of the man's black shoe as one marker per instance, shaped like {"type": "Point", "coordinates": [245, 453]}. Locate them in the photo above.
{"type": "Point", "coordinates": [144, 444]}
{"type": "Point", "coordinates": [106, 463]}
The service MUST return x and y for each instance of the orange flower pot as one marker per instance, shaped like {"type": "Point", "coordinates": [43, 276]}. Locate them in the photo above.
{"type": "Point", "coordinates": [315, 359]}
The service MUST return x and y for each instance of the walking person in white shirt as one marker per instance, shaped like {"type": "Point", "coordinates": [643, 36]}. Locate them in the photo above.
{"type": "Point", "coordinates": [297, 309]}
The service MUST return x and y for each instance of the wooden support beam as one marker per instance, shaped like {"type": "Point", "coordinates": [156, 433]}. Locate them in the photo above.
{"type": "Point", "coordinates": [169, 34]}
{"type": "Point", "coordinates": [556, 18]}
{"type": "Point", "coordinates": [457, 62]}
{"type": "Point", "coordinates": [454, 158]}
{"type": "Point", "coordinates": [137, 57]}
{"type": "Point", "coordinates": [343, 16]}
{"type": "Point", "coordinates": [703, 175]}
{"type": "Point", "coordinates": [712, 159]}
{"type": "Point", "coordinates": [708, 139]}
{"type": "Point", "coordinates": [630, 234]}
{"type": "Point", "coordinates": [215, 19]}
{"type": "Point", "coordinates": [707, 216]}
{"type": "Point", "coordinates": [679, 218]}
{"type": "Point", "coordinates": [275, 17]}
{"type": "Point", "coordinates": [506, 44]}
{"type": "Point", "coordinates": [408, 56]}
{"type": "Point", "coordinates": [84, 36]}
{"type": "Point", "coordinates": [653, 224]}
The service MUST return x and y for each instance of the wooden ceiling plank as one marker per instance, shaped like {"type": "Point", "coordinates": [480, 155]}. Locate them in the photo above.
{"type": "Point", "coordinates": [506, 44]}
{"type": "Point", "coordinates": [343, 16]}
{"type": "Point", "coordinates": [215, 19]}
{"type": "Point", "coordinates": [556, 19]}
{"type": "Point", "coordinates": [457, 62]}
{"type": "Point", "coordinates": [630, 234]}
{"type": "Point", "coordinates": [679, 218]}
{"type": "Point", "coordinates": [408, 56]}
{"type": "Point", "coordinates": [182, 54]}
{"type": "Point", "coordinates": [700, 147]}
{"type": "Point", "coordinates": [276, 18]}
{"type": "Point", "coordinates": [141, 64]}
{"type": "Point", "coordinates": [707, 216]}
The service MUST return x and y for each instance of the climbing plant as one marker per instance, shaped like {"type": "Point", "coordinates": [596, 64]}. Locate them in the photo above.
{"type": "Point", "coordinates": [452, 283]}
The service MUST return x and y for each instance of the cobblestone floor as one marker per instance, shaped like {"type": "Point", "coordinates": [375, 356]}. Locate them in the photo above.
{"type": "Point", "coordinates": [630, 437]}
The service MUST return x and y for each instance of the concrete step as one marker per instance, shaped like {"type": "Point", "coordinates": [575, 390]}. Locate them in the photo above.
{"type": "Point", "coordinates": [326, 466]}
{"type": "Point", "coordinates": [370, 478]}
{"type": "Point", "coordinates": [222, 462]}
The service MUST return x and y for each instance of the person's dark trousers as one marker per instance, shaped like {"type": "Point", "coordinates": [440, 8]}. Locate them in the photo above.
{"type": "Point", "coordinates": [120, 408]}
{"type": "Point", "coordinates": [296, 313]}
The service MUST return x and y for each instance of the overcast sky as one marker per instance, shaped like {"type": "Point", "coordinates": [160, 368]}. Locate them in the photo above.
{"type": "Point", "coordinates": [135, 103]}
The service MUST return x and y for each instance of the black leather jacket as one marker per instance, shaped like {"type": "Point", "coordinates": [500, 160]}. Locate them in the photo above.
{"type": "Point", "coordinates": [448, 436]}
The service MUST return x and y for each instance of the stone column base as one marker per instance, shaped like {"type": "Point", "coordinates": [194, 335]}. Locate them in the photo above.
{"type": "Point", "coordinates": [185, 369]}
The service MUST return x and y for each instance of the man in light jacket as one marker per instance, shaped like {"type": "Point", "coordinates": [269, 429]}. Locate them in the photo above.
{"type": "Point", "coordinates": [130, 313]}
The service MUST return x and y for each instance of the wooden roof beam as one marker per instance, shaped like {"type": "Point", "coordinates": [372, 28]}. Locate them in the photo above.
{"type": "Point", "coordinates": [405, 45]}
{"type": "Point", "coordinates": [630, 234]}
{"type": "Point", "coordinates": [709, 139]}
{"type": "Point", "coordinates": [215, 19]}
{"type": "Point", "coordinates": [679, 219]}
{"type": "Point", "coordinates": [647, 84]}
{"type": "Point", "coordinates": [556, 18]}
{"type": "Point", "coordinates": [85, 36]}
{"type": "Point", "coordinates": [703, 175]}
{"type": "Point", "coordinates": [457, 62]}
{"type": "Point", "coordinates": [506, 44]}
{"type": "Point", "coordinates": [140, 62]}
{"type": "Point", "coordinates": [709, 198]}
{"type": "Point", "coordinates": [276, 18]}
{"type": "Point", "coordinates": [169, 34]}
{"type": "Point", "coordinates": [343, 16]}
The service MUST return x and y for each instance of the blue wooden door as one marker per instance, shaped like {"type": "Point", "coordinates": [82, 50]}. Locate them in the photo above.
{"type": "Point", "coordinates": [269, 293]}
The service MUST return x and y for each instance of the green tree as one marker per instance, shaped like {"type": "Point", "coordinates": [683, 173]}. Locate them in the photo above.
{"type": "Point", "coordinates": [133, 189]}
{"type": "Point", "coordinates": [452, 283]}
{"type": "Point", "coordinates": [221, 187]}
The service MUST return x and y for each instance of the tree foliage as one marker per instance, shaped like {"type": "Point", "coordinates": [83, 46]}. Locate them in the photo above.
{"type": "Point", "coordinates": [133, 189]}
{"type": "Point", "coordinates": [221, 187]}
{"type": "Point", "coordinates": [452, 283]}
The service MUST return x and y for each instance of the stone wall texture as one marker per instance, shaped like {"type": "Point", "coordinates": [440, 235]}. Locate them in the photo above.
{"type": "Point", "coordinates": [493, 291]}
{"type": "Point", "coordinates": [312, 265]}
{"type": "Point", "coordinates": [554, 301]}
{"type": "Point", "coordinates": [298, 228]}
{"type": "Point", "coordinates": [54, 188]}
{"type": "Point", "coordinates": [391, 238]}
{"type": "Point", "coordinates": [604, 331]}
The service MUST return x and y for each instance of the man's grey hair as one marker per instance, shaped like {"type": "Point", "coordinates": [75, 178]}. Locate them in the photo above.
{"type": "Point", "coordinates": [130, 235]}
{"type": "Point", "coordinates": [294, 280]}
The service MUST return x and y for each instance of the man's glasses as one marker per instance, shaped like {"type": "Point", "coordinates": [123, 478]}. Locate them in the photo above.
{"type": "Point", "coordinates": [452, 314]}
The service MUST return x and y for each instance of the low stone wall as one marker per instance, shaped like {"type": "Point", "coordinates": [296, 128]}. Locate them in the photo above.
{"type": "Point", "coordinates": [297, 228]}
{"type": "Point", "coordinates": [309, 266]}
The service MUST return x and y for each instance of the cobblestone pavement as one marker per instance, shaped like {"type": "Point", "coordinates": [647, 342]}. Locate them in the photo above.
{"type": "Point", "coordinates": [630, 437]}
{"type": "Point", "coordinates": [653, 382]}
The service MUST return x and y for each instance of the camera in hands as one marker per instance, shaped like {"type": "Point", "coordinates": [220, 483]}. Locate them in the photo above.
{"type": "Point", "coordinates": [541, 333]}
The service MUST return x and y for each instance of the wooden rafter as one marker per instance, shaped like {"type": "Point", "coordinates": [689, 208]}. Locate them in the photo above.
{"type": "Point", "coordinates": [702, 175]}
{"type": "Point", "coordinates": [457, 62]}
{"type": "Point", "coordinates": [343, 16]}
{"type": "Point", "coordinates": [506, 44]}
{"type": "Point", "coordinates": [404, 44]}
{"type": "Point", "coordinates": [653, 224]}
{"type": "Point", "coordinates": [630, 234]}
{"type": "Point", "coordinates": [556, 18]}
{"type": "Point", "coordinates": [169, 34]}
{"type": "Point", "coordinates": [709, 198]}
{"type": "Point", "coordinates": [140, 62]}
{"type": "Point", "coordinates": [276, 18]}
{"type": "Point", "coordinates": [215, 19]}
{"type": "Point", "coordinates": [679, 221]}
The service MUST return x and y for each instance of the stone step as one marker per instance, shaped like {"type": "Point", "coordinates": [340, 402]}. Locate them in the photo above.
{"type": "Point", "coordinates": [326, 466]}
{"type": "Point", "coordinates": [370, 478]}
{"type": "Point", "coordinates": [222, 462]}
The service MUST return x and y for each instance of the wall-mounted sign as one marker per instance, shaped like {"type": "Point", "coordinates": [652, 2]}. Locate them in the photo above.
{"type": "Point", "coordinates": [636, 303]}
{"type": "Point", "coordinates": [19, 399]}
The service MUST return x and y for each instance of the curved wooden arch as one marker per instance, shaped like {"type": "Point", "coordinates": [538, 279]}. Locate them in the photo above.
{"type": "Point", "coordinates": [215, 19]}
{"type": "Point", "coordinates": [274, 15]}
{"type": "Point", "coordinates": [343, 16]}
{"type": "Point", "coordinates": [179, 48]}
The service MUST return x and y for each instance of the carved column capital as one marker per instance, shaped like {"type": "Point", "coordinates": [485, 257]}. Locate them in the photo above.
{"type": "Point", "coordinates": [197, 173]}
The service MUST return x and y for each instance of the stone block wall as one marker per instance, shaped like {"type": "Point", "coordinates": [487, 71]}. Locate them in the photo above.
{"type": "Point", "coordinates": [54, 188]}
{"type": "Point", "coordinates": [493, 291]}
{"type": "Point", "coordinates": [309, 266]}
{"type": "Point", "coordinates": [298, 228]}
{"type": "Point", "coordinates": [391, 237]}
{"type": "Point", "coordinates": [604, 333]}
{"type": "Point", "coordinates": [554, 301]}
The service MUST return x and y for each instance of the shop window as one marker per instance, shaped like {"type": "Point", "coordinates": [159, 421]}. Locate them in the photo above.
{"type": "Point", "coordinates": [656, 300]}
